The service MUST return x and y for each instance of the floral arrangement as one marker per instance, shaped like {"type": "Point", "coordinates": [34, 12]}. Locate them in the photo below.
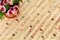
{"type": "Point", "coordinates": [9, 8]}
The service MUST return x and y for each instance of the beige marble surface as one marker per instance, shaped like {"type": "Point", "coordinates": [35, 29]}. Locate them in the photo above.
{"type": "Point", "coordinates": [37, 20]}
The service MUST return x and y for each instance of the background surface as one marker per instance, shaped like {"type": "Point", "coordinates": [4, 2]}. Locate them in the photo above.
{"type": "Point", "coordinates": [37, 20]}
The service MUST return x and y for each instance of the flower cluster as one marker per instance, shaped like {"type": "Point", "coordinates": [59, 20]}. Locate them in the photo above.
{"type": "Point", "coordinates": [9, 8]}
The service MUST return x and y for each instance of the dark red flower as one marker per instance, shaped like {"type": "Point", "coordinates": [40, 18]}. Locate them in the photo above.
{"type": "Point", "coordinates": [11, 13]}
{"type": "Point", "coordinates": [1, 3]}
{"type": "Point", "coordinates": [15, 7]}
{"type": "Point", "coordinates": [2, 8]}
{"type": "Point", "coordinates": [5, 2]}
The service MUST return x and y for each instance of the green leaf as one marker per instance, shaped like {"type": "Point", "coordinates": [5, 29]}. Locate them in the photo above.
{"type": "Point", "coordinates": [7, 7]}
{"type": "Point", "coordinates": [1, 14]}
{"type": "Point", "coordinates": [15, 2]}
{"type": "Point", "coordinates": [20, 0]}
